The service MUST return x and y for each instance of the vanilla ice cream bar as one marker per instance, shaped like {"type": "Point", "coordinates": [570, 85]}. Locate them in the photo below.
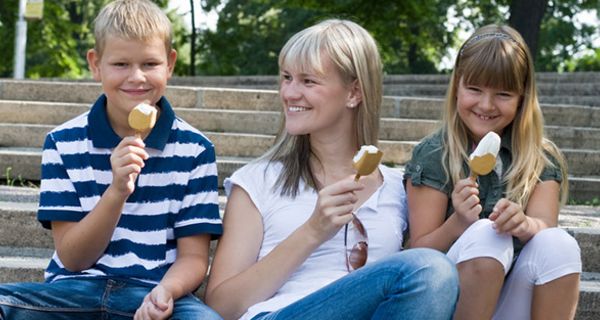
{"type": "Point", "coordinates": [142, 118]}
{"type": "Point", "coordinates": [483, 160]}
{"type": "Point", "coordinates": [366, 160]}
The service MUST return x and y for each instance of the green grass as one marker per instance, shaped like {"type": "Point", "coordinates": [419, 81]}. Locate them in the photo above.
{"type": "Point", "coordinates": [595, 202]}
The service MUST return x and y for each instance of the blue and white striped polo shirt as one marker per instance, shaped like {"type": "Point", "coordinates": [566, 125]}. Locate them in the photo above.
{"type": "Point", "coordinates": [175, 195]}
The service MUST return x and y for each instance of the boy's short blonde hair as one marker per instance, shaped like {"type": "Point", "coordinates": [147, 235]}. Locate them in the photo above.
{"type": "Point", "coordinates": [131, 20]}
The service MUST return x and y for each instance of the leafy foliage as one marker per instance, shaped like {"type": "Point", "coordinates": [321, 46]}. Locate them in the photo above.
{"type": "Point", "coordinates": [249, 35]}
{"type": "Point", "coordinates": [413, 35]}
{"type": "Point", "coordinates": [57, 44]}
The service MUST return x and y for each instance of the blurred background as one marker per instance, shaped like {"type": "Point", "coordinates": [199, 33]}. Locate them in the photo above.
{"type": "Point", "coordinates": [243, 37]}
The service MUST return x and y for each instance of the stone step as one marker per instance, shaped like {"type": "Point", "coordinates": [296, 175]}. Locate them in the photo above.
{"type": "Point", "coordinates": [226, 144]}
{"type": "Point", "coordinates": [30, 268]}
{"type": "Point", "coordinates": [266, 122]}
{"type": "Point", "coordinates": [20, 228]}
{"type": "Point", "coordinates": [271, 81]}
{"type": "Point", "coordinates": [243, 103]}
{"type": "Point", "coordinates": [24, 164]}
{"type": "Point", "coordinates": [580, 161]}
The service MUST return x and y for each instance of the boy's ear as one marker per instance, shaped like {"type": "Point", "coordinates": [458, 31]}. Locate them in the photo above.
{"type": "Point", "coordinates": [93, 59]}
{"type": "Point", "coordinates": [171, 61]}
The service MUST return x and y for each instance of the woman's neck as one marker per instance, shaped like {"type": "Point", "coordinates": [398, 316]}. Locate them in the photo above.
{"type": "Point", "coordinates": [332, 159]}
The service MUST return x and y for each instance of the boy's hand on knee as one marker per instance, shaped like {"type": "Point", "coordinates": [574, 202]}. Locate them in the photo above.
{"type": "Point", "coordinates": [158, 304]}
{"type": "Point", "coordinates": [127, 161]}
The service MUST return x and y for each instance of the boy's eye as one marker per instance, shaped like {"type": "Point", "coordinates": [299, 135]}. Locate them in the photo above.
{"type": "Point", "coordinates": [119, 64]}
{"type": "Point", "coordinates": [151, 64]}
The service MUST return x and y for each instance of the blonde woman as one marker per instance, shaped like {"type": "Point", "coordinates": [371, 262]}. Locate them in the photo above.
{"type": "Point", "coordinates": [291, 229]}
{"type": "Point", "coordinates": [500, 229]}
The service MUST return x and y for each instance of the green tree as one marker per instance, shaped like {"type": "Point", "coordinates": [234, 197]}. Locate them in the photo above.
{"type": "Point", "coordinates": [559, 39]}
{"type": "Point", "coordinates": [411, 33]}
{"type": "Point", "coordinates": [57, 44]}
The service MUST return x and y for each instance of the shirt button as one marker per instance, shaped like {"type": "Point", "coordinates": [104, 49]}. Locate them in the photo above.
{"type": "Point", "coordinates": [418, 167]}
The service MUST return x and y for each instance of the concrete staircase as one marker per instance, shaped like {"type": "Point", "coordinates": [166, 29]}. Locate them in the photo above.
{"type": "Point", "coordinates": [242, 124]}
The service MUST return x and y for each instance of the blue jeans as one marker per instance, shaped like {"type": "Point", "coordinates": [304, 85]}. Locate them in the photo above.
{"type": "Point", "coordinates": [412, 284]}
{"type": "Point", "coordinates": [87, 299]}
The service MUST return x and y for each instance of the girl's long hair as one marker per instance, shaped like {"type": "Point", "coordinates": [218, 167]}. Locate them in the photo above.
{"type": "Point", "coordinates": [355, 55]}
{"type": "Point", "coordinates": [497, 57]}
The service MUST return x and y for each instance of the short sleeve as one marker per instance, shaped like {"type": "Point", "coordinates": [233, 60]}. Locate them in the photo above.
{"type": "Point", "coordinates": [252, 178]}
{"type": "Point", "coordinates": [425, 167]}
{"type": "Point", "coordinates": [200, 212]}
{"type": "Point", "coordinates": [551, 171]}
{"type": "Point", "coordinates": [58, 198]}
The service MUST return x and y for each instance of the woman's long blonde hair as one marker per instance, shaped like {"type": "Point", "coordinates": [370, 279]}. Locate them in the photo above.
{"type": "Point", "coordinates": [497, 57]}
{"type": "Point", "coordinates": [356, 57]}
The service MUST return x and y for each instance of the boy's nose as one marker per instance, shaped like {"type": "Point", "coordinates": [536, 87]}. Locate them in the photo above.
{"type": "Point", "coordinates": [136, 74]}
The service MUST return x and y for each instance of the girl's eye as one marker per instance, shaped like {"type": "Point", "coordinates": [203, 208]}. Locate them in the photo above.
{"type": "Point", "coordinates": [506, 95]}
{"type": "Point", "coordinates": [474, 89]}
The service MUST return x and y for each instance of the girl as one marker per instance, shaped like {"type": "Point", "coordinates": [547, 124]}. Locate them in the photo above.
{"type": "Point", "coordinates": [493, 88]}
{"type": "Point", "coordinates": [283, 252]}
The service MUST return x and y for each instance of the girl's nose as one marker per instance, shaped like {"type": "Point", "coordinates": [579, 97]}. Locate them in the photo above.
{"type": "Point", "coordinates": [487, 102]}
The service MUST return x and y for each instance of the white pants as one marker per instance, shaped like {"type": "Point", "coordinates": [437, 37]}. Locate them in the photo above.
{"type": "Point", "coordinates": [552, 253]}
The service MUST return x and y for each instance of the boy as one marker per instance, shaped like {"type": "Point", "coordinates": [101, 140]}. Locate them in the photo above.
{"type": "Point", "coordinates": [131, 217]}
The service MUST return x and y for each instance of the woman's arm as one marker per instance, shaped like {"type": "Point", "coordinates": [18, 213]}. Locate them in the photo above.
{"type": "Point", "coordinates": [427, 210]}
{"type": "Point", "coordinates": [237, 280]}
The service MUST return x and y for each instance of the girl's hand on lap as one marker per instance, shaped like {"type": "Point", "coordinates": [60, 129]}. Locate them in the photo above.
{"type": "Point", "coordinates": [465, 200]}
{"type": "Point", "coordinates": [509, 218]}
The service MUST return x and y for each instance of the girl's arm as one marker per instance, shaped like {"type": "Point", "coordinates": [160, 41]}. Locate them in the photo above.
{"type": "Point", "coordinates": [427, 210]}
{"type": "Point", "coordinates": [541, 212]}
{"type": "Point", "coordinates": [237, 280]}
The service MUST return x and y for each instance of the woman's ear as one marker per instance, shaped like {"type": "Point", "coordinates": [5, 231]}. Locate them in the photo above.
{"type": "Point", "coordinates": [355, 94]}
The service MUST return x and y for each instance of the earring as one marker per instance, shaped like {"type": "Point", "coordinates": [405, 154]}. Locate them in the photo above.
{"type": "Point", "coordinates": [351, 105]}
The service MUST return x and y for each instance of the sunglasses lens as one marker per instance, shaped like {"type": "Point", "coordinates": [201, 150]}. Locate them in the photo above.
{"type": "Point", "coordinates": [358, 255]}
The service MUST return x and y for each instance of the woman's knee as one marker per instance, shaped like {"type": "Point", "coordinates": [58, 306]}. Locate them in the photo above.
{"type": "Point", "coordinates": [433, 267]}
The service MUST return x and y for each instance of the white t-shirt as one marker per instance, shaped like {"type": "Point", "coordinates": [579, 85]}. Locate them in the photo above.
{"type": "Point", "coordinates": [384, 215]}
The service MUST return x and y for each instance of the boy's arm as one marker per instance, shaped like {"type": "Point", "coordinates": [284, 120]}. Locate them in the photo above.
{"type": "Point", "coordinates": [190, 267]}
{"type": "Point", "coordinates": [80, 244]}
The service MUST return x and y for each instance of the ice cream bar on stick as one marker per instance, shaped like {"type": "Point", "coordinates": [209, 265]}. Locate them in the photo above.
{"type": "Point", "coordinates": [142, 118]}
{"type": "Point", "coordinates": [483, 160]}
{"type": "Point", "coordinates": [366, 160]}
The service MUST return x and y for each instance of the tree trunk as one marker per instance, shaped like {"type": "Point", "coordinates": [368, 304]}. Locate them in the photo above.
{"type": "Point", "coordinates": [526, 17]}
{"type": "Point", "coordinates": [193, 42]}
